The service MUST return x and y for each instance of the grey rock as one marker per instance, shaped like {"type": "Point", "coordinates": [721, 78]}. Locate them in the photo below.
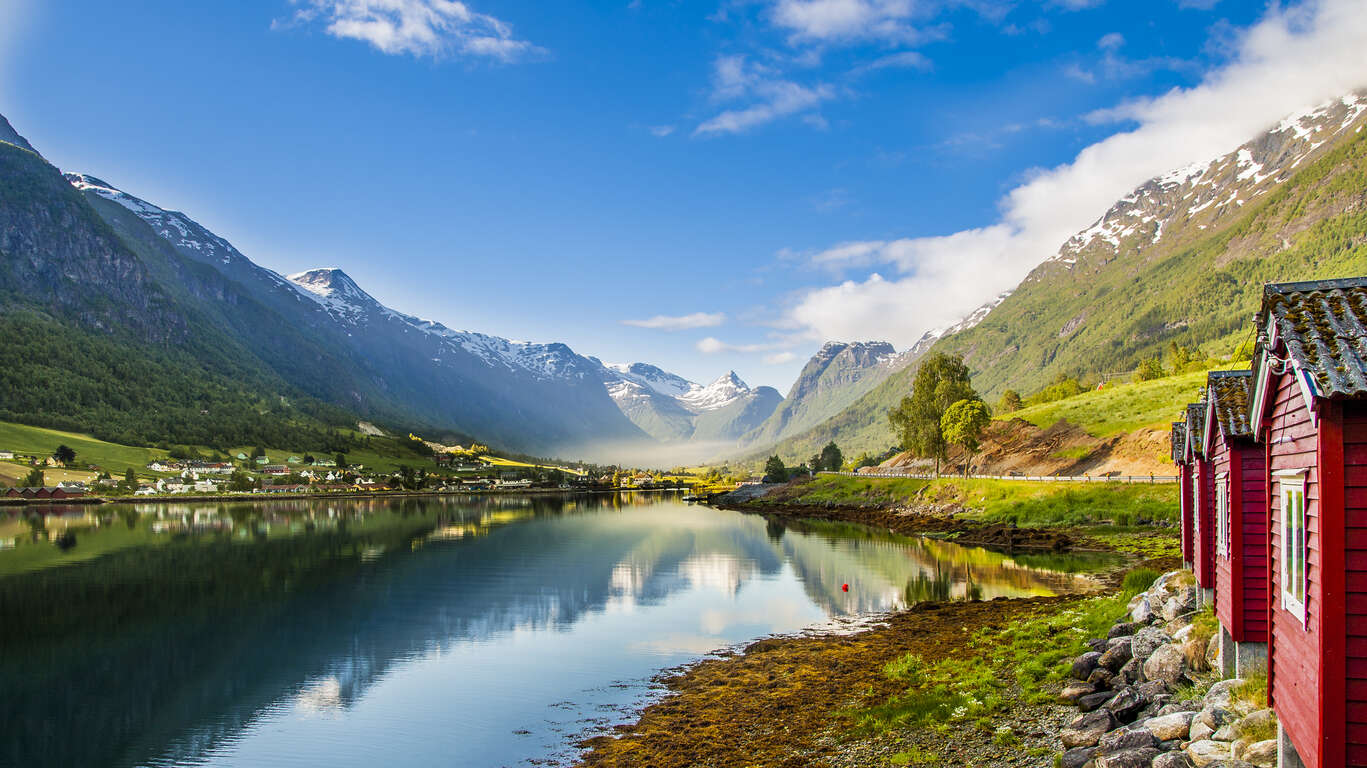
{"type": "Point", "coordinates": [1146, 641]}
{"type": "Point", "coordinates": [1181, 706]}
{"type": "Point", "coordinates": [1260, 719]}
{"type": "Point", "coordinates": [1215, 717]}
{"type": "Point", "coordinates": [1084, 664]}
{"type": "Point", "coordinates": [1127, 738]}
{"type": "Point", "coordinates": [1171, 760]}
{"type": "Point", "coordinates": [1125, 705]}
{"type": "Point", "coordinates": [1077, 757]}
{"type": "Point", "coordinates": [1225, 733]}
{"type": "Point", "coordinates": [1127, 758]}
{"type": "Point", "coordinates": [1122, 629]}
{"type": "Point", "coordinates": [1261, 753]}
{"type": "Point", "coordinates": [1132, 671]}
{"type": "Point", "coordinates": [1172, 609]}
{"type": "Point", "coordinates": [1076, 690]}
{"type": "Point", "coordinates": [1097, 644]}
{"type": "Point", "coordinates": [1087, 730]}
{"type": "Point", "coordinates": [1200, 732]}
{"type": "Point", "coordinates": [1213, 651]}
{"type": "Point", "coordinates": [1152, 689]}
{"type": "Point", "coordinates": [1166, 664]}
{"type": "Point", "coordinates": [1171, 726]}
{"type": "Point", "coordinates": [1116, 655]}
{"type": "Point", "coordinates": [1205, 752]}
{"type": "Point", "coordinates": [1101, 677]}
{"type": "Point", "coordinates": [1093, 700]}
{"type": "Point", "coordinates": [1221, 694]}
{"type": "Point", "coordinates": [1142, 612]}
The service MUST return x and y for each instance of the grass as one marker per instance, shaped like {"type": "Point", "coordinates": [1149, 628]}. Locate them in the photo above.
{"type": "Point", "coordinates": [111, 457]}
{"type": "Point", "coordinates": [1118, 407]}
{"type": "Point", "coordinates": [1036, 654]}
{"type": "Point", "coordinates": [1027, 504]}
{"type": "Point", "coordinates": [1138, 580]}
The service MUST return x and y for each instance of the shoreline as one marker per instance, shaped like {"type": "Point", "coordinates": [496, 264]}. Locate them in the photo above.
{"type": "Point", "coordinates": [264, 497]}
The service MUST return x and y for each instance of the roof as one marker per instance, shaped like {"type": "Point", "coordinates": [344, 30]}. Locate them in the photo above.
{"type": "Point", "coordinates": [1323, 324]}
{"type": "Point", "coordinates": [1196, 425]}
{"type": "Point", "coordinates": [1179, 440]}
{"type": "Point", "coordinates": [1230, 392]}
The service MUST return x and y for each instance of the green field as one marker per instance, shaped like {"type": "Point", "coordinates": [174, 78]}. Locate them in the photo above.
{"type": "Point", "coordinates": [111, 457]}
{"type": "Point", "coordinates": [1119, 407]}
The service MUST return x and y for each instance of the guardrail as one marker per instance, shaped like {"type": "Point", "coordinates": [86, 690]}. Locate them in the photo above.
{"type": "Point", "coordinates": [1133, 479]}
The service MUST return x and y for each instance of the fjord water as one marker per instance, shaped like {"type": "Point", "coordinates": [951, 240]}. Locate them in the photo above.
{"type": "Point", "coordinates": [418, 632]}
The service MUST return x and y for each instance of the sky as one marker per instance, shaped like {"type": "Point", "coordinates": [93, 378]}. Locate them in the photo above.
{"type": "Point", "coordinates": [706, 186]}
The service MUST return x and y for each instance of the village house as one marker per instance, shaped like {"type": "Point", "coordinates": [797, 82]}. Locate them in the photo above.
{"type": "Point", "coordinates": [1310, 411]}
{"type": "Point", "coordinates": [57, 492]}
{"type": "Point", "coordinates": [1179, 457]}
{"type": "Point", "coordinates": [1240, 528]}
{"type": "Point", "coordinates": [1202, 493]}
{"type": "Point", "coordinates": [6, 455]}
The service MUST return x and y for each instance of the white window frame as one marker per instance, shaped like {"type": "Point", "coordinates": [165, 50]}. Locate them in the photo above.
{"type": "Point", "coordinates": [1293, 554]}
{"type": "Point", "coordinates": [1195, 517]}
{"type": "Point", "coordinates": [1222, 515]}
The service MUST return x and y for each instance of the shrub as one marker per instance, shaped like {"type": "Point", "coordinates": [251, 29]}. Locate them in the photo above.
{"type": "Point", "coordinates": [1138, 580]}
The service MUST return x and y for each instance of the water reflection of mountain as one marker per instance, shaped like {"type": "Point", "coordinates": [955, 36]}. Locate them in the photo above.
{"type": "Point", "coordinates": [170, 651]}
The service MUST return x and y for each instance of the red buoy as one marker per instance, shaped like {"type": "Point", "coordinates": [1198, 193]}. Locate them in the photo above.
{"type": "Point", "coordinates": [844, 587]}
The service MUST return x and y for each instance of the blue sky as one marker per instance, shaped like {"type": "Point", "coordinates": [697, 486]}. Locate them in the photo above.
{"type": "Point", "coordinates": [740, 180]}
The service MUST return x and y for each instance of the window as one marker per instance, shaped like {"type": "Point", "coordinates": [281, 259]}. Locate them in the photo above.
{"type": "Point", "coordinates": [1196, 517]}
{"type": "Point", "coordinates": [1222, 515]}
{"type": "Point", "coordinates": [1293, 545]}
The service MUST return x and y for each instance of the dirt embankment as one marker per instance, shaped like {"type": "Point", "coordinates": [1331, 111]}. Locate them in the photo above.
{"type": "Point", "coordinates": [780, 703]}
{"type": "Point", "coordinates": [1019, 447]}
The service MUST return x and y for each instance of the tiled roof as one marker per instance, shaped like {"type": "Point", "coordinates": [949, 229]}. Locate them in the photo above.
{"type": "Point", "coordinates": [1196, 424]}
{"type": "Point", "coordinates": [1324, 327]}
{"type": "Point", "coordinates": [1231, 391]}
{"type": "Point", "coordinates": [1179, 440]}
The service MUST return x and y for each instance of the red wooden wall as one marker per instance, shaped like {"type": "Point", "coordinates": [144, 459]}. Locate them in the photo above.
{"type": "Point", "coordinates": [1203, 540]}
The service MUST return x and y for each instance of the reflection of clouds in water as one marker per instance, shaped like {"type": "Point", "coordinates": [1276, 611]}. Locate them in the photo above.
{"type": "Point", "coordinates": [694, 645]}
{"type": "Point", "coordinates": [716, 571]}
{"type": "Point", "coordinates": [320, 697]}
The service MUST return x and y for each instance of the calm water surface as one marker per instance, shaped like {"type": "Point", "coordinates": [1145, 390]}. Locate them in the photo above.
{"type": "Point", "coordinates": [434, 632]}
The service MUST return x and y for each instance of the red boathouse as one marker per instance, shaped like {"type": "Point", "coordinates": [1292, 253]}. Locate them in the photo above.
{"type": "Point", "coordinates": [1310, 413]}
{"type": "Point", "coordinates": [1179, 457]}
{"type": "Point", "coordinates": [1202, 499]}
{"type": "Point", "coordinates": [1240, 526]}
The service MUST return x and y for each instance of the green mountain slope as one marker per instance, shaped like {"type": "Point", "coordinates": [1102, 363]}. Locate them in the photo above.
{"type": "Point", "coordinates": [1182, 259]}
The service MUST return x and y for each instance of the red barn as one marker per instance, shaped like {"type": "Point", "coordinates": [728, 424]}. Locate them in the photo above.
{"type": "Point", "coordinates": [1179, 457]}
{"type": "Point", "coordinates": [1202, 499]}
{"type": "Point", "coordinates": [1240, 526]}
{"type": "Point", "coordinates": [1310, 412]}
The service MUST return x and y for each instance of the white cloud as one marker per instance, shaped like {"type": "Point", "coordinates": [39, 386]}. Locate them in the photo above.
{"type": "Point", "coordinates": [1292, 59]}
{"type": "Point", "coordinates": [779, 358]}
{"type": "Point", "coordinates": [661, 131]}
{"type": "Point", "coordinates": [713, 346]}
{"type": "Point", "coordinates": [902, 60]}
{"type": "Point", "coordinates": [434, 28]}
{"type": "Point", "coordinates": [681, 322]}
{"type": "Point", "coordinates": [765, 95]}
{"type": "Point", "coordinates": [847, 20]}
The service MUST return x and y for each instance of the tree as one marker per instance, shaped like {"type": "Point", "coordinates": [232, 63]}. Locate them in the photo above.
{"type": "Point", "coordinates": [963, 425]}
{"type": "Point", "coordinates": [1150, 369]}
{"type": "Point", "coordinates": [775, 471]}
{"type": "Point", "coordinates": [34, 479]}
{"type": "Point", "coordinates": [258, 452]}
{"type": "Point", "coordinates": [941, 381]}
{"type": "Point", "coordinates": [1010, 402]}
{"type": "Point", "coordinates": [240, 481]}
{"type": "Point", "coordinates": [64, 455]}
{"type": "Point", "coordinates": [815, 463]}
{"type": "Point", "coordinates": [831, 458]}
{"type": "Point", "coordinates": [340, 458]}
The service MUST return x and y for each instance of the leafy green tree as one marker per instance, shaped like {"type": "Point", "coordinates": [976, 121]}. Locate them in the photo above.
{"type": "Point", "coordinates": [832, 459]}
{"type": "Point", "coordinates": [34, 478]}
{"type": "Point", "coordinates": [1180, 356]}
{"type": "Point", "coordinates": [814, 463]}
{"type": "Point", "coordinates": [775, 471]}
{"type": "Point", "coordinates": [258, 452]}
{"type": "Point", "coordinates": [341, 460]}
{"type": "Point", "coordinates": [1150, 369]}
{"type": "Point", "coordinates": [941, 381]}
{"type": "Point", "coordinates": [240, 481]}
{"type": "Point", "coordinates": [65, 455]}
{"type": "Point", "coordinates": [1010, 402]}
{"type": "Point", "coordinates": [963, 424]}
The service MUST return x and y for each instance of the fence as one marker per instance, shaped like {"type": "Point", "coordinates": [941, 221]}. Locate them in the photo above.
{"type": "Point", "coordinates": [1147, 479]}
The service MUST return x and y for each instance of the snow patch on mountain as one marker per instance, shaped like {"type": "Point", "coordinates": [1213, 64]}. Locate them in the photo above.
{"type": "Point", "coordinates": [173, 226]}
{"type": "Point", "coordinates": [727, 389]}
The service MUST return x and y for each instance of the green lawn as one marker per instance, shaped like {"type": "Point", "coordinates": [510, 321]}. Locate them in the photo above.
{"type": "Point", "coordinates": [109, 456]}
{"type": "Point", "coordinates": [1120, 407]}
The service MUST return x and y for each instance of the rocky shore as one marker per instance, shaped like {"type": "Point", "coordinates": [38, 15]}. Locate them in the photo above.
{"type": "Point", "coordinates": [1138, 690]}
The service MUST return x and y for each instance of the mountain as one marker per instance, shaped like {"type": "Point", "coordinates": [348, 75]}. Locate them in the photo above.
{"type": "Point", "coordinates": [1181, 259]}
{"type": "Point", "coordinates": [835, 377]}
{"type": "Point", "coordinates": [11, 136]}
{"type": "Point", "coordinates": [100, 261]}
{"type": "Point", "coordinates": [672, 409]}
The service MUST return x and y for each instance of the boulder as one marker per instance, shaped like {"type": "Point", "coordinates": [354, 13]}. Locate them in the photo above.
{"type": "Point", "coordinates": [1215, 716]}
{"type": "Point", "coordinates": [1213, 651]}
{"type": "Point", "coordinates": [1222, 693]}
{"type": "Point", "coordinates": [1132, 671]}
{"type": "Point", "coordinates": [1084, 664]}
{"type": "Point", "coordinates": [1116, 655]}
{"type": "Point", "coordinates": [1126, 704]}
{"type": "Point", "coordinates": [1205, 752]}
{"type": "Point", "coordinates": [1190, 705]}
{"type": "Point", "coordinates": [1166, 664]}
{"type": "Point", "coordinates": [1122, 629]}
{"type": "Point", "coordinates": [1142, 612]}
{"type": "Point", "coordinates": [1171, 726]}
{"type": "Point", "coordinates": [1086, 730]}
{"type": "Point", "coordinates": [1152, 689]}
{"type": "Point", "coordinates": [1132, 737]}
{"type": "Point", "coordinates": [1093, 700]}
{"type": "Point", "coordinates": [1172, 760]}
{"type": "Point", "coordinates": [1172, 609]}
{"type": "Point", "coordinates": [1076, 690]}
{"type": "Point", "coordinates": [1101, 677]}
{"type": "Point", "coordinates": [1260, 753]}
{"type": "Point", "coordinates": [1181, 635]}
{"type": "Point", "coordinates": [1257, 720]}
{"type": "Point", "coordinates": [1097, 644]}
{"type": "Point", "coordinates": [1146, 641]}
{"type": "Point", "coordinates": [1127, 758]}
{"type": "Point", "coordinates": [1225, 733]}
{"type": "Point", "coordinates": [1077, 757]}
{"type": "Point", "coordinates": [1200, 731]}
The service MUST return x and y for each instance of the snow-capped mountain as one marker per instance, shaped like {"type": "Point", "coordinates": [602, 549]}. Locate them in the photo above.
{"type": "Point", "coordinates": [671, 408]}
{"type": "Point", "coordinates": [382, 363]}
